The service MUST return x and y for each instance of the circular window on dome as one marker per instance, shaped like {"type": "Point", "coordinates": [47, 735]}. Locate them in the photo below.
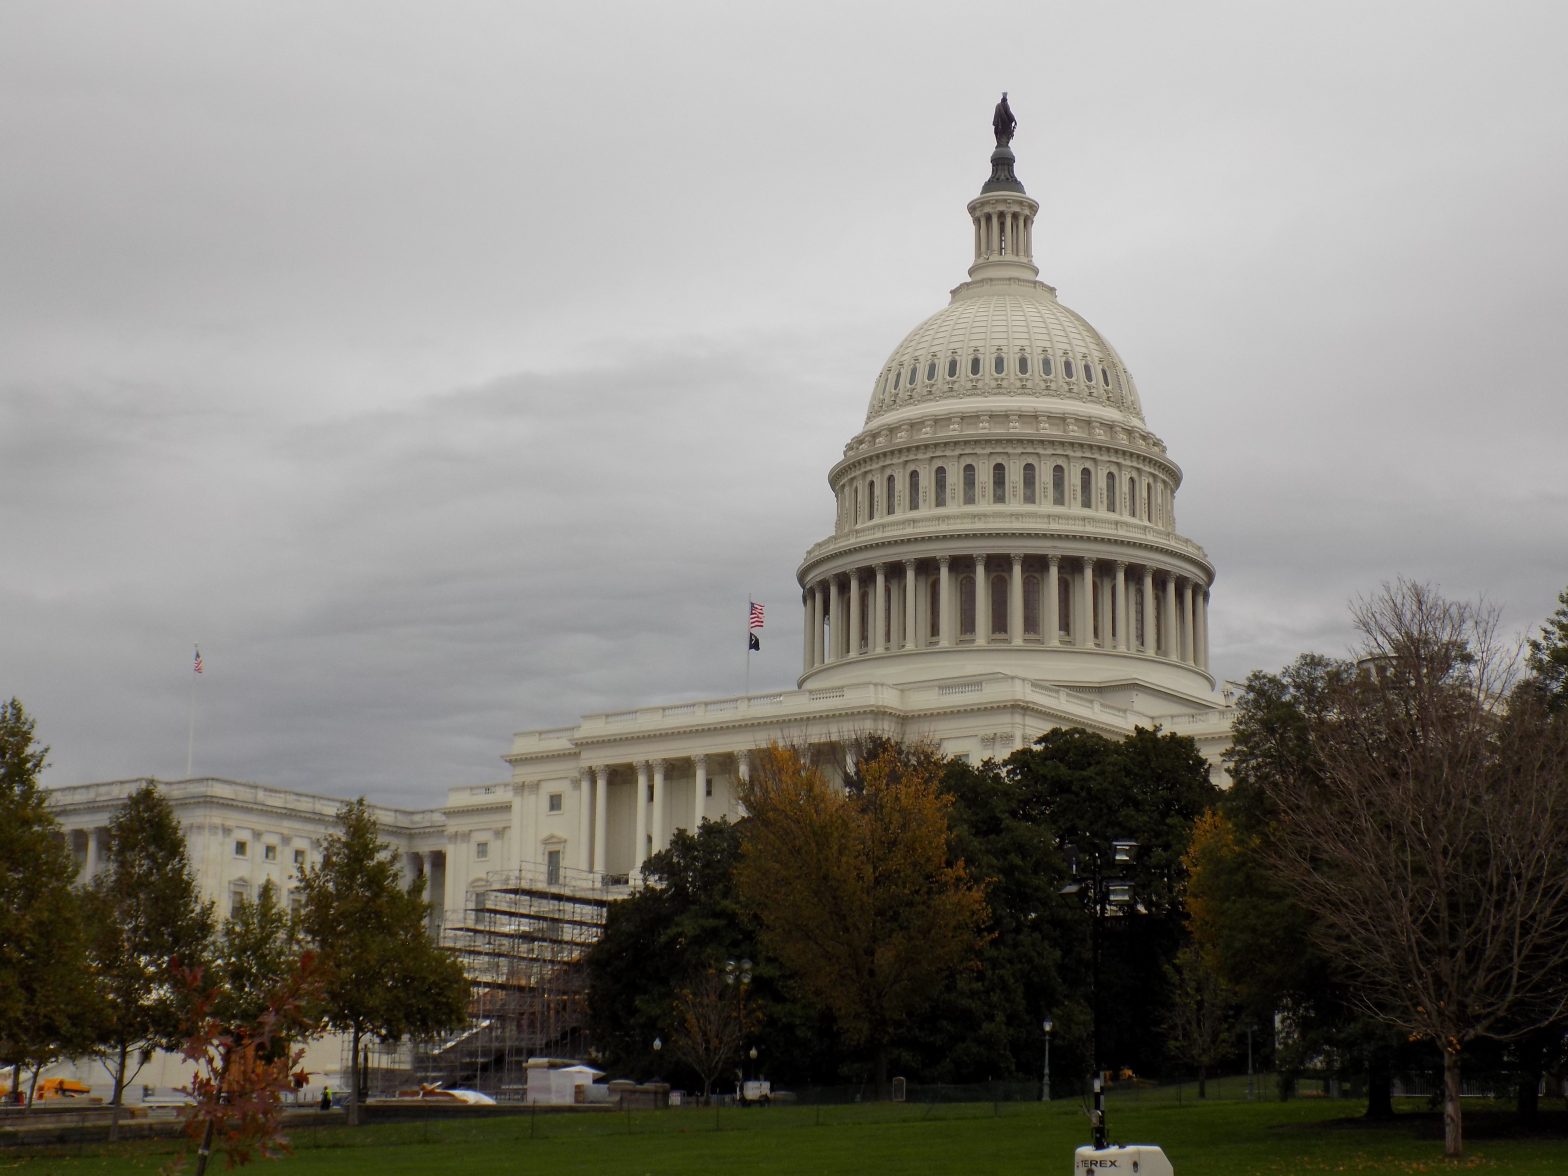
{"type": "Point", "coordinates": [952, 367]}
{"type": "Point", "coordinates": [1045, 365]}
{"type": "Point", "coordinates": [974, 365]}
{"type": "Point", "coordinates": [930, 371]}
{"type": "Point", "coordinates": [1023, 364]}
{"type": "Point", "coordinates": [1067, 370]}
{"type": "Point", "coordinates": [898, 377]}
{"type": "Point", "coordinates": [999, 364]}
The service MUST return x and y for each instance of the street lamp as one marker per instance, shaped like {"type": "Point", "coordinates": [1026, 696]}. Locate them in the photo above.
{"type": "Point", "coordinates": [1101, 893]}
{"type": "Point", "coordinates": [1045, 1085]}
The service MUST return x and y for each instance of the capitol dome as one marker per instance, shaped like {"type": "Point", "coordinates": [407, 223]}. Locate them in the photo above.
{"type": "Point", "coordinates": [1005, 508]}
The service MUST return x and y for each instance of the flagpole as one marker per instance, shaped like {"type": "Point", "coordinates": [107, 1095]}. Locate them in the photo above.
{"type": "Point", "coordinates": [749, 603]}
{"type": "Point", "coordinates": [190, 742]}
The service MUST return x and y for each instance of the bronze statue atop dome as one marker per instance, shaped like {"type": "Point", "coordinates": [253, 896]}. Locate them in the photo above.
{"type": "Point", "coordinates": [1003, 122]}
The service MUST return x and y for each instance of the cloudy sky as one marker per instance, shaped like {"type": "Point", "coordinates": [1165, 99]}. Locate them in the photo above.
{"type": "Point", "coordinates": [451, 369]}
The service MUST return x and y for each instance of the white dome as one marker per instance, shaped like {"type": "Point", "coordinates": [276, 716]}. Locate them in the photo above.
{"type": "Point", "coordinates": [1045, 350]}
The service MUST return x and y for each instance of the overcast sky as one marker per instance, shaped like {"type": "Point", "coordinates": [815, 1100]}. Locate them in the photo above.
{"type": "Point", "coordinates": [446, 370]}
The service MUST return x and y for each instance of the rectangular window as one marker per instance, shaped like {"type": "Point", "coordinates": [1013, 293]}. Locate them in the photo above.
{"type": "Point", "coordinates": [299, 857]}
{"type": "Point", "coordinates": [481, 850]}
{"type": "Point", "coordinates": [242, 849]}
{"type": "Point", "coordinates": [269, 853]}
{"type": "Point", "coordinates": [553, 802]}
{"type": "Point", "coordinates": [552, 867]}
{"type": "Point", "coordinates": [709, 784]}
{"type": "Point", "coordinates": [236, 896]}
{"type": "Point", "coordinates": [969, 485]}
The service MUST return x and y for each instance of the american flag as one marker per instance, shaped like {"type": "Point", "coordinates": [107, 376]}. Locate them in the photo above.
{"type": "Point", "coordinates": [197, 666]}
{"type": "Point", "coordinates": [756, 616]}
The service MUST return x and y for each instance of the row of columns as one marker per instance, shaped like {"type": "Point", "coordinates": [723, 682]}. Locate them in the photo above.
{"type": "Point", "coordinates": [1174, 612]}
{"type": "Point", "coordinates": [654, 818]}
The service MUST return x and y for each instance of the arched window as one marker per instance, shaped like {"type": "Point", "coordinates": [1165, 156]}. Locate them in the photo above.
{"type": "Point", "coordinates": [1058, 486]}
{"type": "Point", "coordinates": [952, 367]}
{"type": "Point", "coordinates": [1029, 487]}
{"type": "Point", "coordinates": [1067, 370]}
{"type": "Point", "coordinates": [966, 606]}
{"type": "Point", "coordinates": [898, 377]}
{"type": "Point", "coordinates": [999, 364]}
{"type": "Point", "coordinates": [914, 490]}
{"type": "Point", "coordinates": [857, 504]}
{"type": "Point", "coordinates": [1086, 488]}
{"type": "Point", "coordinates": [969, 485]}
{"type": "Point", "coordinates": [914, 370]}
{"type": "Point", "coordinates": [998, 483]}
{"type": "Point", "coordinates": [940, 497]}
{"type": "Point", "coordinates": [934, 608]}
{"type": "Point", "coordinates": [1045, 365]}
{"type": "Point", "coordinates": [930, 371]}
{"type": "Point", "coordinates": [1105, 376]}
{"type": "Point", "coordinates": [1132, 496]}
{"type": "Point", "coordinates": [974, 365]}
{"type": "Point", "coordinates": [1149, 518]}
{"type": "Point", "coordinates": [1031, 606]}
{"type": "Point", "coordinates": [1023, 364]}
{"type": "Point", "coordinates": [871, 500]}
{"type": "Point", "coordinates": [1110, 492]}
{"type": "Point", "coordinates": [892, 495]}
{"type": "Point", "coordinates": [999, 606]}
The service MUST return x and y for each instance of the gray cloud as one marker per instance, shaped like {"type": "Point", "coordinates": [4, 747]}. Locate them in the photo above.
{"type": "Point", "coordinates": [451, 373]}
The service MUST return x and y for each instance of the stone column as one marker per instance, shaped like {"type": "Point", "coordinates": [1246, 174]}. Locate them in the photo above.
{"type": "Point", "coordinates": [514, 859]}
{"type": "Point", "coordinates": [742, 772]}
{"type": "Point", "coordinates": [640, 845]}
{"type": "Point", "coordinates": [1172, 643]}
{"type": "Point", "coordinates": [911, 628]}
{"type": "Point", "coordinates": [1053, 618]}
{"type": "Point", "coordinates": [854, 613]}
{"type": "Point", "coordinates": [699, 788]}
{"type": "Point", "coordinates": [601, 817]}
{"type": "Point", "coordinates": [584, 819]}
{"type": "Point", "coordinates": [90, 868]}
{"type": "Point", "coordinates": [1203, 630]}
{"type": "Point", "coordinates": [944, 602]}
{"type": "Point", "coordinates": [1015, 603]}
{"type": "Point", "coordinates": [820, 596]}
{"type": "Point", "coordinates": [1123, 635]}
{"type": "Point", "coordinates": [1084, 628]}
{"type": "Point", "coordinates": [1189, 645]}
{"type": "Point", "coordinates": [807, 599]}
{"type": "Point", "coordinates": [879, 625]}
{"type": "Point", "coordinates": [661, 814]}
{"type": "Point", "coordinates": [1148, 610]}
{"type": "Point", "coordinates": [982, 603]}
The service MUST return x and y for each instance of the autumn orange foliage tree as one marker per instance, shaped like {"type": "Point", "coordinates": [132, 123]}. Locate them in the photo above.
{"type": "Point", "coordinates": [854, 889]}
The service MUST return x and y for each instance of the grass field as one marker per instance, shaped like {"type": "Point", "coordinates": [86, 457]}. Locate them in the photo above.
{"type": "Point", "coordinates": [1217, 1139]}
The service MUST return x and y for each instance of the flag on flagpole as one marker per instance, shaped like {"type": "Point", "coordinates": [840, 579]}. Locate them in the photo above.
{"type": "Point", "coordinates": [752, 644]}
{"type": "Point", "coordinates": [197, 666]}
{"type": "Point", "coordinates": [753, 623]}
{"type": "Point", "coordinates": [756, 615]}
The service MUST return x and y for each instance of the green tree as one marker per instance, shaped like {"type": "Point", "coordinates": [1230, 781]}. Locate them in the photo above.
{"type": "Point", "coordinates": [855, 891]}
{"type": "Point", "coordinates": [1201, 1026]}
{"type": "Point", "coordinates": [1088, 791]}
{"type": "Point", "coordinates": [383, 975]}
{"type": "Point", "coordinates": [47, 1004]}
{"type": "Point", "coordinates": [146, 916]}
{"type": "Point", "coordinates": [1548, 657]}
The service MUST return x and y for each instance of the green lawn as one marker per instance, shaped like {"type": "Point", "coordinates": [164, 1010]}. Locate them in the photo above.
{"type": "Point", "coordinates": [1215, 1139]}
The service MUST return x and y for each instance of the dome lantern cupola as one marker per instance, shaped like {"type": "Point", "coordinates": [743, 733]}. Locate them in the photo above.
{"type": "Point", "coordinates": [1003, 213]}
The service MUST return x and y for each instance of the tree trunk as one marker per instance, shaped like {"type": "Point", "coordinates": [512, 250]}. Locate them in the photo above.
{"type": "Point", "coordinates": [881, 1072]}
{"type": "Point", "coordinates": [119, 1092]}
{"type": "Point", "coordinates": [1380, 1086]}
{"type": "Point", "coordinates": [16, 1083]}
{"type": "Point", "coordinates": [1203, 1082]}
{"type": "Point", "coordinates": [1453, 1134]}
{"type": "Point", "coordinates": [353, 1080]}
{"type": "Point", "coordinates": [1530, 1058]}
{"type": "Point", "coordinates": [32, 1090]}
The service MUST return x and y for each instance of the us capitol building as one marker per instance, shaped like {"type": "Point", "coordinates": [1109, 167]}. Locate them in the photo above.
{"type": "Point", "coordinates": [1003, 560]}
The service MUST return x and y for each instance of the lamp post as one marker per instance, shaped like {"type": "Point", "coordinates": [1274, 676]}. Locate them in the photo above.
{"type": "Point", "coordinates": [1045, 1084]}
{"type": "Point", "coordinates": [1100, 893]}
